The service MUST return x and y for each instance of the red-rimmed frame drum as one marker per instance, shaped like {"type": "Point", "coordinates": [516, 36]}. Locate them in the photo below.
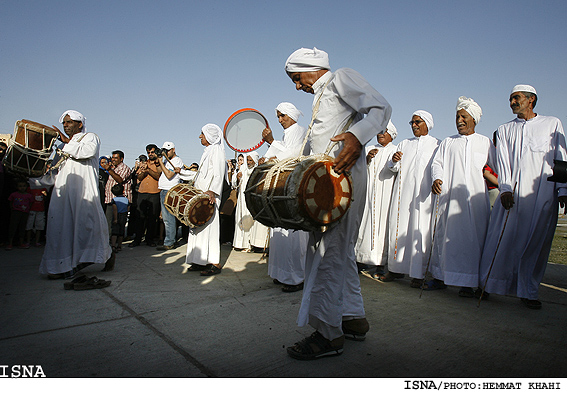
{"type": "Point", "coordinates": [243, 130]}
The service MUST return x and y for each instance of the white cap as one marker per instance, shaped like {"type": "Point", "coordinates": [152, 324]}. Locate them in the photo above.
{"type": "Point", "coordinates": [168, 145]}
{"type": "Point", "coordinates": [524, 88]}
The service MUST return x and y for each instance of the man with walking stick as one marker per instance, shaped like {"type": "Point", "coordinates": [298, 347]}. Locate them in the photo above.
{"type": "Point", "coordinates": [519, 241]}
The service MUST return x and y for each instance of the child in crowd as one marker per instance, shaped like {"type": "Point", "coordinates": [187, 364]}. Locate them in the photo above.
{"type": "Point", "coordinates": [20, 204]}
{"type": "Point", "coordinates": [120, 207]}
{"type": "Point", "coordinates": [36, 218]}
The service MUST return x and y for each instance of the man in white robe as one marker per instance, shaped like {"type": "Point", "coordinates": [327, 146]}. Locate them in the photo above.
{"type": "Point", "coordinates": [77, 232]}
{"type": "Point", "coordinates": [412, 207]}
{"type": "Point", "coordinates": [372, 243]}
{"type": "Point", "coordinates": [526, 216]}
{"type": "Point", "coordinates": [332, 301]}
{"type": "Point", "coordinates": [203, 243]}
{"type": "Point", "coordinates": [286, 261]}
{"type": "Point", "coordinates": [464, 206]}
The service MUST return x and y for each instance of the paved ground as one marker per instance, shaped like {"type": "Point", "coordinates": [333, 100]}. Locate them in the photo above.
{"type": "Point", "coordinates": [157, 320]}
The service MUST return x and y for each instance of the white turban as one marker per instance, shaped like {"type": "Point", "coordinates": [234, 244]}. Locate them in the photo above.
{"type": "Point", "coordinates": [524, 88]}
{"type": "Point", "coordinates": [306, 60]}
{"type": "Point", "coordinates": [391, 129]}
{"type": "Point", "coordinates": [213, 133]}
{"type": "Point", "coordinates": [76, 116]}
{"type": "Point", "coordinates": [469, 105]}
{"type": "Point", "coordinates": [427, 118]}
{"type": "Point", "coordinates": [289, 109]}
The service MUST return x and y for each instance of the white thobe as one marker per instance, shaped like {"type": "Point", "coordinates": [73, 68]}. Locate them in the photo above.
{"type": "Point", "coordinates": [77, 231]}
{"type": "Point", "coordinates": [203, 243]}
{"type": "Point", "coordinates": [332, 285]}
{"type": "Point", "coordinates": [290, 145]}
{"type": "Point", "coordinates": [243, 218]}
{"type": "Point", "coordinates": [411, 209]}
{"type": "Point", "coordinates": [286, 261]}
{"type": "Point", "coordinates": [525, 151]}
{"type": "Point", "coordinates": [372, 243]}
{"type": "Point", "coordinates": [463, 210]}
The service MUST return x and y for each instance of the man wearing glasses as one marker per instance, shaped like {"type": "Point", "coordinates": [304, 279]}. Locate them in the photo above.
{"type": "Point", "coordinates": [148, 198]}
{"type": "Point", "coordinates": [412, 206]}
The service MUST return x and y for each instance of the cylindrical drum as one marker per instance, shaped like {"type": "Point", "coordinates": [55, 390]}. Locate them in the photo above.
{"type": "Point", "coordinates": [302, 194]}
{"type": "Point", "coordinates": [189, 204]}
{"type": "Point", "coordinates": [29, 151]}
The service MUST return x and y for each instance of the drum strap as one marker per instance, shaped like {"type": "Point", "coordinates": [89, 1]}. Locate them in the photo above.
{"type": "Point", "coordinates": [63, 156]}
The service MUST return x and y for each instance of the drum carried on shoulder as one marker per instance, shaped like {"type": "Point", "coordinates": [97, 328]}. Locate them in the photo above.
{"type": "Point", "coordinates": [30, 149]}
{"type": "Point", "coordinates": [302, 193]}
{"type": "Point", "coordinates": [189, 204]}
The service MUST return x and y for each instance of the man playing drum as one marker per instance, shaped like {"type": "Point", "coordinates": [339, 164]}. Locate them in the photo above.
{"type": "Point", "coordinates": [203, 245]}
{"type": "Point", "coordinates": [77, 232]}
{"type": "Point", "coordinates": [332, 300]}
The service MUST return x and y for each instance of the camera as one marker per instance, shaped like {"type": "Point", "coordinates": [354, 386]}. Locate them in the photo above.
{"type": "Point", "coordinates": [160, 152]}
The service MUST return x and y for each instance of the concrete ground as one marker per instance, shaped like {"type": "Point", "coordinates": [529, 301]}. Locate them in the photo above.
{"type": "Point", "coordinates": [157, 320]}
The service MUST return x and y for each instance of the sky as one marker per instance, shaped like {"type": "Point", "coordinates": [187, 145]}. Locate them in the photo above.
{"type": "Point", "coordinates": [148, 72]}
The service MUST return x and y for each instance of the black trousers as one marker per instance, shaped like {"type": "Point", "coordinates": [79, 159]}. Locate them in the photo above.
{"type": "Point", "coordinates": [148, 209]}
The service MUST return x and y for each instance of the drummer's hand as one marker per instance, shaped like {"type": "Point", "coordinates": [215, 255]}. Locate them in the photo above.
{"type": "Point", "coordinates": [262, 160]}
{"type": "Point", "coordinates": [349, 154]}
{"type": "Point", "coordinates": [239, 175]}
{"type": "Point", "coordinates": [60, 135]}
{"type": "Point", "coordinates": [212, 196]}
{"type": "Point", "coordinates": [267, 135]}
{"type": "Point", "coordinates": [397, 156]}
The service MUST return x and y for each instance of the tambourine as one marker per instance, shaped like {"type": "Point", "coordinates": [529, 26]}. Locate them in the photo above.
{"type": "Point", "coordinates": [243, 130]}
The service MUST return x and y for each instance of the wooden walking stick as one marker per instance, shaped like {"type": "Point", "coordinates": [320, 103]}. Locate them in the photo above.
{"type": "Point", "coordinates": [496, 251]}
{"type": "Point", "coordinates": [432, 244]}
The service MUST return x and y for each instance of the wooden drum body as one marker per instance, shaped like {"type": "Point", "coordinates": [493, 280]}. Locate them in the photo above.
{"type": "Point", "coordinates": [302, 194]}
{"type": "Point", "coordinates": [189, 204]}
{"type": "Point", "coordinates": [30, 149]}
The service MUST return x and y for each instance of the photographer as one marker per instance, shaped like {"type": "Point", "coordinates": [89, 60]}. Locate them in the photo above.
{"type": "Point", "coordinates": [169, 177]}
{"type": "Point", "coordinates": [148, 207]}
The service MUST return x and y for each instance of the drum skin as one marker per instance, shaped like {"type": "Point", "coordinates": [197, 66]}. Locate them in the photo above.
{"type": "Point", "coordinates": [189, 204]}
{"type": "Point", "coordinates": [308, 195]}
{"type": "Point", "coordinates": [30, 149]}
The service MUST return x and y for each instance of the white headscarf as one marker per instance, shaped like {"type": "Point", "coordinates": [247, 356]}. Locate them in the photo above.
{"type": "Point", "coordinates": [289, 109]}
{"type": "Point", "coordinates": [76, 116]}
{"type": "Point", "coordinates": [255, 156]}
{"type": "Point", "coordinates": [306, 60]}
{"type": "Point", "coordinates": [524, 88]}
{"type": "Point", "coordinates": [427, 118]}
{"type": "Point", "coordinates": [469, 105]}
{"type": "Point", "coordinates": [391, 129]}
{"type": "Point", "coordinates": [213, 133]}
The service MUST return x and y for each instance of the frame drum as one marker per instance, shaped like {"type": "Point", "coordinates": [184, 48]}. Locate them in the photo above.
{"type": "Point", "coordinates": [302, 194]}
{"type": "Point", "coordinates": [30, 149]}
{"type": "Point", "coordinates": [189, 204]}
{"type": "Point", "coordinates": [243, 130]}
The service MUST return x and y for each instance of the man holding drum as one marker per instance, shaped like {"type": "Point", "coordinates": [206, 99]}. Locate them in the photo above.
{"type": "Point", "coordinates": [203, 244]}
{"type": "Point", "coordinates": [77, 232]}
{"type": "Point", "coordinates": [332, 301]}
